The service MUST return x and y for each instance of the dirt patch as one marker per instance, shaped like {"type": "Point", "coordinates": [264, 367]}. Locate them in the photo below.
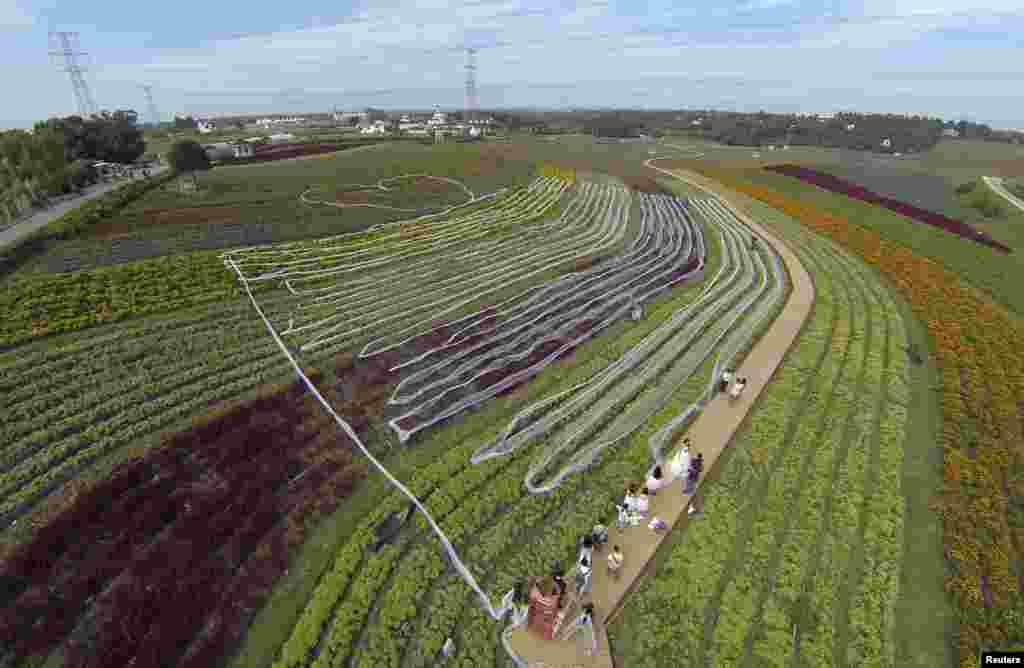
{"type": "Point", "coordinates": [1008, 168]}
{"type": "Point", "coordinates": [356, 197]}
{"type": "Point", "coordinates": [208, 215]}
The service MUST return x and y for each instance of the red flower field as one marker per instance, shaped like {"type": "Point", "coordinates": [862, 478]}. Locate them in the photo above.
{"type": "Point", "coordinates": [836, 184]}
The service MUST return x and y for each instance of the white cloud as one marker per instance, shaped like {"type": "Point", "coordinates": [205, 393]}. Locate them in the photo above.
{"type": "Point", "coordinates": [13, 16]}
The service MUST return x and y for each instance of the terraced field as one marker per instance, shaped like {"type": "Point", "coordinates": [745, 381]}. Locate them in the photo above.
{"type": "Point", "coordinates": [520, 357]}
{"type": "Point", "coordinates": [595, 411]}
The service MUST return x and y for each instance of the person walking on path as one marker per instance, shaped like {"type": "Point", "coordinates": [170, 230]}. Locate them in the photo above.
{"type": "Point", "coordinates": [737, 388]}
{"type": "Point", "coordinates": [681, 464]}
{"type": "Point", "coordinates": [615, 559]}
{"type": "Point", "coordinates": [599, 534]}
{"type": "Point", "coordinates": [643, 503]}
{"type": "Point", "coordinates": [655, 481]}
{"type": "Point", "coordinates": [695, 470]}
{"type": "Point", "coordinates": [723, 384]}
{"type": "Point", "coordinates": [586, 549]}
{"type": "Point", "coordinates": [583, 571]}
{"type": "Point", "coordinates": [584, 623]}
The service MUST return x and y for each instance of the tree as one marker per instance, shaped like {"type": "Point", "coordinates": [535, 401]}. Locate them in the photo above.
{"type": "Point", "coordinates": [187, 156]}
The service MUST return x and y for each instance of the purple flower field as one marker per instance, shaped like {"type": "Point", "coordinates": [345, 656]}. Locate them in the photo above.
{"type": "Point", "coordinates": [850, 189]}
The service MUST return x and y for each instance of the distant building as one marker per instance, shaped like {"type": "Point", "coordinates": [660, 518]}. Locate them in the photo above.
{"type": "Point", "coordinates": [439, 118]}
{"type": "Point", "coordinates": [243, 150]}
{"type": "Point", "coordinates": [950, 132]}
{"type": "Point", "coordinates": [850, 127]}
{"type": "Point", "coordinates": [282, 138]}
{"type": "Point", "coordinates": [205, 127]}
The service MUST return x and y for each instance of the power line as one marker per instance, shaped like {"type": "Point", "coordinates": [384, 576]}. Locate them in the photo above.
{"type": "Point", "coordinates": [148, 90]}
{"type": "Point", "coordinates": [67, 43]}
{"type": "Point", "coordinates": [471, 97]}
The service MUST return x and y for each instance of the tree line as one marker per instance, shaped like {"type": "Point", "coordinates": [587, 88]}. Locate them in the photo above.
{"type": "Point", "coordinates": [56, 156]}
{"type": "Point", "coordinates": [851, 130]}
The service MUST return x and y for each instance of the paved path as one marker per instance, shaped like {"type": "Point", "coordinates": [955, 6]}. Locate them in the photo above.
{"type": "Point", "coordinates": [996, 183]}
{"type": "Point", "coordinates": [710, 433]}
{"type": "Point", "coordinates": [30, 224]}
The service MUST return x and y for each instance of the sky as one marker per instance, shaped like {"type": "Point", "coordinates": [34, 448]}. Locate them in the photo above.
{"type": "Point", "coordinates": [948, 58]}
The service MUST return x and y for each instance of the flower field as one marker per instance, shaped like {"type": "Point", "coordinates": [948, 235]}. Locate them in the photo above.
{"type": "Point", "coordinates": [197, 529]}
{"type": "Point", "coordinates": [835, 184]}
{"type": "Point", "coordinates": [804, 517]}
{"type": "Point", "coordinates": [396, 605]}
{"type": "Point", "coordinates": [977, 344]}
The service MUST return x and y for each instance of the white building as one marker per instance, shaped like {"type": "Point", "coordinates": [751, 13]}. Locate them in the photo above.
{"type": "Point", "coordinates": [205, 127]}
{"type": "Point", "coordinates": [439, 118]}
{"type": "Point", "coordinates": [282, 138]}
{"type": "Point", "coordinates": [243, 150]}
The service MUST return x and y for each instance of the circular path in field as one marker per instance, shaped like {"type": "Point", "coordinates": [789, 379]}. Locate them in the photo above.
{"type": "Point", "coordinates": [710, 433]}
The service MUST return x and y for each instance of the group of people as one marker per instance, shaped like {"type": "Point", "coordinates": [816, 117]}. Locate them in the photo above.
{"type": "Point", "coordinates": [635, 506]}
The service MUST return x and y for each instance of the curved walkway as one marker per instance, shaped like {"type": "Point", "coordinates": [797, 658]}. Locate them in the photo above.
{"type": "Point", "coordinates": [710, 433]}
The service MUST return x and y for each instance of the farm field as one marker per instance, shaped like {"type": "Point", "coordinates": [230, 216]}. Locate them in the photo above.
{"type": "Point", "coordinates": [974, 340]}
{"type": "Point", "coordinates": [260, 203]}
{"type": "Point", "coordinates": [614, 407]}
{"type": "Point", "coordinates": [548, 338]}
{"type": "Point", "coordinates": [795, 536]}
{"type": "Point", "coordinates": [990, 270]}
{"type": "Point", "coordinates": [603, 206]}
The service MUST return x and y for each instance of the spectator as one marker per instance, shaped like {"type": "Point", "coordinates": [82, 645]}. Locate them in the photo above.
{"type": "Point", "coordinates": [655, 481]}
{"type": "Point", "coordinates": [643, 503]}
{"type": "Point", "coordinates": [681, 464]}
{"type": "Point", "coordinates": [583, 577]}
{"type": "Point", "coordinates": [727, 377]}
{"type": "Point", "coordinates": [586, 549]}
{"type": "Point", "coordinates": [696, 467]}
{"type": "Point", "coordinates": [630, 500]}
{"type": "Point", "coordinates": [615, 559]}
{"type": "Point", "coordinates": [599, 535]}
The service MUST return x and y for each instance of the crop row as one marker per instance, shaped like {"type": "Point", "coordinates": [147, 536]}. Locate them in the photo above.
{"type": "Point", "coordinates": [982, 388]}
{"type": "Point", "coordinates": [347, 619]}
{"type": "Point", "coordinates": [156, 511]}
{"type": "Point", "coordinates": [58, 303]}
{"type": "Point", "coordinates": [64, 431]}
{"type": "Point", "coordinates": [660, 362]}
{"type": "Point", "coordinates": [685, 586]}
{"type": "Point", "coordinates": [464, 276]}
{"type": "Point", "coordinates": [381, 239]}
{"type": "Point", "coordinates": [844, 187]}
{"type": "Point", "coordinates": [557, 319]}
{"type": "Point", "coordinates": [563, 535]}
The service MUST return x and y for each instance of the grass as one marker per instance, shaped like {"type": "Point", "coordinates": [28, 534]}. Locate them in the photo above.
{"type": "Point", "coordinates": [247, 204]}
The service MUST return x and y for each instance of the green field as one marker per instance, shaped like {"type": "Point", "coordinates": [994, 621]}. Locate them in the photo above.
{"type": "Point", "coordinates": [250, 204]}
{"type": "Point", "coordinates": [816, 545]}
{"type": "Point", "coordinates": [828, 438]}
